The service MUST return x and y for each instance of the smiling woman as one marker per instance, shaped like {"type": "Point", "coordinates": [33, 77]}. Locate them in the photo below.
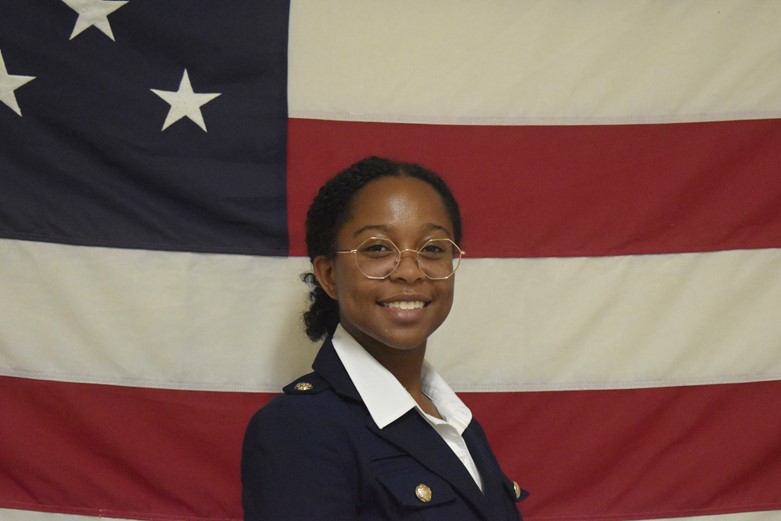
{"type": "Point", "coordinates": [374, 432]}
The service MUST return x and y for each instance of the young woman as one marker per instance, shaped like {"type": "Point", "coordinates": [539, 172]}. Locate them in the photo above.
{"type": "Point", "coordinates": [374, 432]}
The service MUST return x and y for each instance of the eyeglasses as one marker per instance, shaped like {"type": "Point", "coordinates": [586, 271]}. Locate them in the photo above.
{"type": "Point", "coordinates": [377, 258]}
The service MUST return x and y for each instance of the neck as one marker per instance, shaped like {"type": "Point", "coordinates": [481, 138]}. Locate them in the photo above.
{"type": "Point", "coordinates": [404, 364]}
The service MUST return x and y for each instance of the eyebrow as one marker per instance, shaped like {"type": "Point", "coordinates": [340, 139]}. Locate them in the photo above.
{"type": "Point", "coordinates": [386, 228]}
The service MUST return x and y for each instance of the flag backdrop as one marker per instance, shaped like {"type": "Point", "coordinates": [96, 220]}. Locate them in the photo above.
{"type": "Point", "coordinates": [616, 326]}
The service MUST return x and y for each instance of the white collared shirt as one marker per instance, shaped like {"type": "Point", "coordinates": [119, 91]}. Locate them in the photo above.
{"type": "Point", "coordinates": [387, 400]}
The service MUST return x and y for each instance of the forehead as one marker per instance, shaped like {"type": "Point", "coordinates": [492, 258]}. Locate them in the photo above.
{"type": "Point", "coordinates": [398, 202]}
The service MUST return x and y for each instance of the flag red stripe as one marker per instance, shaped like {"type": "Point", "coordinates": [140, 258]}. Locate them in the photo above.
{"type": "Point", "coordinates": [640, 454]}
{"type": "Point", "coordinates": [572, 190]}
{"type": "Point", "coordinates": [611, 454]}
{"type": "Point", "coordinates": [122, 451]}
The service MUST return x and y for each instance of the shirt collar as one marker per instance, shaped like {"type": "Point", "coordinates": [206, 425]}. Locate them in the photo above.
{"type": "Point", "coordinates": [385, 398]}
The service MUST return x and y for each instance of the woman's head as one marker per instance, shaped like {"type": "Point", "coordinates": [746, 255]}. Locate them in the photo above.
{"type": "Point", "coordinates": [376, 197]}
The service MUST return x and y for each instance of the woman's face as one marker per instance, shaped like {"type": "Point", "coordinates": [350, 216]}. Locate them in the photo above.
{"type": "Point", "coordinates": [409, 212]}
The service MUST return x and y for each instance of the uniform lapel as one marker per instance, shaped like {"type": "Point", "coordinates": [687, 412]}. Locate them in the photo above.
{"type": "Point", "coordinates": [413, 435]}
{"type": "Point", "coordinates": [489, 469]}
{"type": "Point", "coordinates": [410, 434]}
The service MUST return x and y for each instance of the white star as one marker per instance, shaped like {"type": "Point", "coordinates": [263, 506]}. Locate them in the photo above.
{"type": "Point", "coordinates": [8, 84]}
{"type": "Point", "coordinates": [185, 102]}
{"type": "Point", "coordinates": [93, 12]}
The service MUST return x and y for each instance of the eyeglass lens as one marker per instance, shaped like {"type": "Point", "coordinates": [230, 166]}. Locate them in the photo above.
{"type": "Point", "coordinates": [437, 258]}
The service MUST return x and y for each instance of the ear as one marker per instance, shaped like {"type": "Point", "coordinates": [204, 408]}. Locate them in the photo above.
{"type": "Point", "coordinates": [324, 269]}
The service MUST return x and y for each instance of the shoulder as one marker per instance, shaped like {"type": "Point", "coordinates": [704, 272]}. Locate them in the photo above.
{"type": "Point", "coordinates": [307, 402]}
{"type": "Point", "coordinates": [308, 385]}
{"type": "Point", "coordinates": [307, 424]}
{"type": "Point", "coordinates": [289, 445]}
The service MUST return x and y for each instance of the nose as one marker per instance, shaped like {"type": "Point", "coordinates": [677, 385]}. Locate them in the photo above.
{"type": "Point", "coordinates": [408, 268]}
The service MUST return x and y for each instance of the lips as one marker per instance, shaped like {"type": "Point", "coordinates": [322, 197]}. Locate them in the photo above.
{"type": "Point", "coordinates": [405, 301]}
{"type": "Point", "coordinates": [405, 304]}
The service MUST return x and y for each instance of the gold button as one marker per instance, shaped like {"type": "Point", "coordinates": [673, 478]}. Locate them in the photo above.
{"type": "Point", "coordinates": [517, 490]}
{"type": "Point", "coordinates": [303, 386]}
{"type": "Point", "coordinates": [423, 493]}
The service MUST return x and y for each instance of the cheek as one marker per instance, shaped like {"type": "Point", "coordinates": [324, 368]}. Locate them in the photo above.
{"type": "Point", "coordinates": [350, 284]}
{"type": "Point", "coordinates": [447, 294]}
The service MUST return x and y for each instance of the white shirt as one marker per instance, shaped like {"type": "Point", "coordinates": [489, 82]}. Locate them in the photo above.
{"type": "Point", "coordinates": [387, 400]}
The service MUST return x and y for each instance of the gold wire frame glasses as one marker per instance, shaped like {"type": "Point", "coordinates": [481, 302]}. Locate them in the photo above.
{"type": "Point", "coordinates": [377, 258]}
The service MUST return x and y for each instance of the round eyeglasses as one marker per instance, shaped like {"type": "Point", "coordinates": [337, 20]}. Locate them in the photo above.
{"type": "Point", "coordinates": [377, 258]}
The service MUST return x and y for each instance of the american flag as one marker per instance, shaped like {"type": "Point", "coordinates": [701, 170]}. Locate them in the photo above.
{"type": "Point", "coordinates": [616, 324]}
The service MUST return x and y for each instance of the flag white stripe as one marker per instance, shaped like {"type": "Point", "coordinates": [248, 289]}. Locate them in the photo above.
{"type": "Point", "coordinates": [7, 514]}
{"type": "Point", "coordinates": [27, 515]}
{"type": "Point", "coordinates": [614, 322]}
{"type": "Point", "coordinates": [551, 62]}
{"type": "Point", "coordinates": [150, 318]}
{"type": "Point", "coordinates": [232, 323]}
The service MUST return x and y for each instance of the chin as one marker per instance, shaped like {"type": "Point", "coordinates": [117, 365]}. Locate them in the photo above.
{"type": "Point", "coordinates": [405, 342]}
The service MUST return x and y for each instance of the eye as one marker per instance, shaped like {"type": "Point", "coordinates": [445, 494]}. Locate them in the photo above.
{"type": "Point", "coordinates": [432, 248]}
{"type": "Point", "coordinates": [436, 249]}
{"type": "Point", "coordinates": [376, 248]}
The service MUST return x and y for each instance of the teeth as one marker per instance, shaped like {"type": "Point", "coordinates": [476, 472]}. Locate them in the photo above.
{"type": "Point", "coordinates": [405, 305]}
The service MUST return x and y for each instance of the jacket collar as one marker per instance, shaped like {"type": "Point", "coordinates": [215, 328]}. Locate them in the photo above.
{"type": "Point", "coordinates": [412, 434]}
{"type": "Point", "coordinates": [330, 368]}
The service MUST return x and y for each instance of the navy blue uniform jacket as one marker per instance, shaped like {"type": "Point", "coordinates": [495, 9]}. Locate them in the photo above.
{"type": "Point", "coordinates": [316, 454]}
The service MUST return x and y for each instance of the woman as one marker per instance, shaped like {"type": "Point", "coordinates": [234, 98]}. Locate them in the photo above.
{"type": "Point", "coordinates": [374, 432]}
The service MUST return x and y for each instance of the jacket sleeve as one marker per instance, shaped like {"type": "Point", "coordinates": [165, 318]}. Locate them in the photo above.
{"type": "Point", "coordinates": [295, 465]}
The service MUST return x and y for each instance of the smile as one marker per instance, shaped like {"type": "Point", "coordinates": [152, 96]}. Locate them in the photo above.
{"type": "Point", "coordinates": [415, 304]}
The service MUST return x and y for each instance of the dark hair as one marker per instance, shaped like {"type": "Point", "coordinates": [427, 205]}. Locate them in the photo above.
{"type": "Point", "coordinates": [332, 207]}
